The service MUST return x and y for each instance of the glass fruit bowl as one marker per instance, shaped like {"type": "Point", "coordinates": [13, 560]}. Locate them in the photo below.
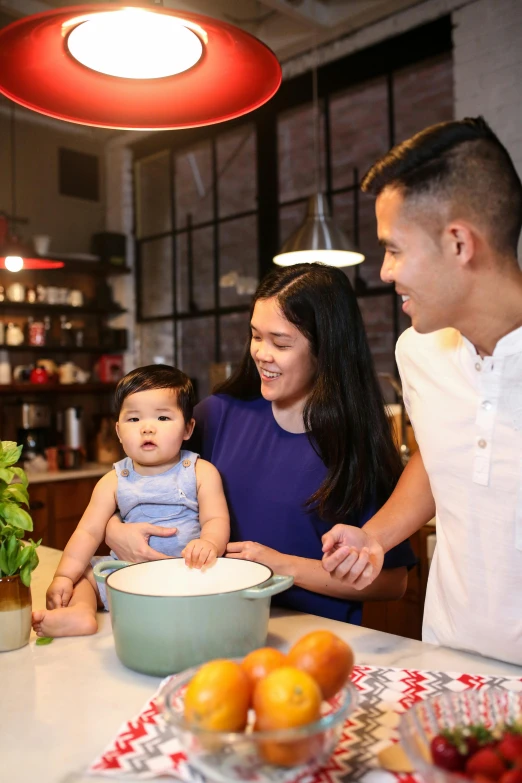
{"type": "Point", "coordinates": [491, 707]}
{"type": "Point", "coordinates": [263, 756]}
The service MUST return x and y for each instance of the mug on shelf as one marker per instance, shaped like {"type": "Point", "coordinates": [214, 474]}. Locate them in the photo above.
{"type": "Point", "coordinates": [71, 373]}
{"type": "Point", "coordinates": [15, 292]}
{"type": "Point", "coordinates": [75, 297]}
{"type": "Point", "coordinates": [22, 372]}
{"type": "Point", "coordinates": [14, 334]}
{"type": "Point", "coordinates": [5, 368]}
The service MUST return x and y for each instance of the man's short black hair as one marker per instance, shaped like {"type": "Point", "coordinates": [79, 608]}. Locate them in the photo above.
{"type": "Point", "coordinates": [464, 164]}
{"type": "Point", "coordinates": [157, 376]}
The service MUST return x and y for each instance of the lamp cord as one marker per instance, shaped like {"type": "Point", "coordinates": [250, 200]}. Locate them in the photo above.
{"type": "Point", "coordinates": [13, 167]}
{"type": "Point", "coordinates": [317, 126]}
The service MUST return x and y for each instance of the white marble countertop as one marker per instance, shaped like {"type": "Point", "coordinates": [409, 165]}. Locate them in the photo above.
{"type": "Point", "coordinates": [90, 469]}
{"type": "Point", "coordinates": [61, 704]}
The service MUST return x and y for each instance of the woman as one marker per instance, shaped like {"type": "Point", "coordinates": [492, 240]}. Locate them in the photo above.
{"type": "Point", "coordinates": [301, 440]}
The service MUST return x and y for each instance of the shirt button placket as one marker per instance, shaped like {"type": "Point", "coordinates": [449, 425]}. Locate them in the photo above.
{"type": "Point", "coordinates": [485, 420]}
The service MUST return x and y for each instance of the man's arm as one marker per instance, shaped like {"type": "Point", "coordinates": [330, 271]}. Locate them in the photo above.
{"type": "Point", "coordinates": [356, 555]}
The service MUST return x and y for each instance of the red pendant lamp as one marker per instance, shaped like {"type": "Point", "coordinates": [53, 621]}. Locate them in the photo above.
{"type": "Point", "coordinates": [135, 68]}
{"type": "Point", "coordinates": [15, 256]}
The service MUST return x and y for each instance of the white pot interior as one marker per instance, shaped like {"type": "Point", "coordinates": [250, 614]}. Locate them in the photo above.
{"type": "Point", "coordinates": [174, 578]}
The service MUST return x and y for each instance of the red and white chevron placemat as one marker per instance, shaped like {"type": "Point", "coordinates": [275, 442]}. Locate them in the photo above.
{"type": "Point", "coordinates": [145, 747]}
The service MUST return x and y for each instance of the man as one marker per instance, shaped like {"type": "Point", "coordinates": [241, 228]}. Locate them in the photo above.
{"type": "Point", "coordinates": [449, 214]}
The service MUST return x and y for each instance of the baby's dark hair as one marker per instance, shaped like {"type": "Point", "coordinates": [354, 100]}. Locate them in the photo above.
{"type": "Point", "coordinates": [157, 376]}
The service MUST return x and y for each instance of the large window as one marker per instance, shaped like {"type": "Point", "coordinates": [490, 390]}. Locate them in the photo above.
{"type": "Point", "coordinates": [214, 205]}
{"type": "Point", "coordinates": [197, 260]}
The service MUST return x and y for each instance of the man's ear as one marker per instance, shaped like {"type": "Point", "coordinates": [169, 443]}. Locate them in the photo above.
{"type": "Point", "coordinates": [118, 430]}
{"type": "Point", "coordinates": [460, 242]}
{"type": "Point", "coordinates": [189, 429]}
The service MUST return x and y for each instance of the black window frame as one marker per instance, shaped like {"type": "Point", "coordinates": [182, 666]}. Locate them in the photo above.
{"type": "Point", "coordinates": [380, 60]}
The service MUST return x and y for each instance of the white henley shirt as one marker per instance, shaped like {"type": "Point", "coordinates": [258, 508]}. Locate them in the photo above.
{"type": "Point", "coordinates": [467, 416]}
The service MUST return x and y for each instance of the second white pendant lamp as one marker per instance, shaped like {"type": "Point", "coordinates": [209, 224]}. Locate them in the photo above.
{"type": "Point", "coordinates": [318, 238]}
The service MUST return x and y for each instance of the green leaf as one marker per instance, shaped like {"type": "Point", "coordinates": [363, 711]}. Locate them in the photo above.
{"type": "Point", "coordinates": [3, 559]}
{"type": "Point", "coordinates": [6, 475]}
{"type": "Point", "coordinates": [17, 493]}
{"type": "Point", "coordinates": [44, 640]}
{"type": "Point", "coordinates": [16, 516]}
{"type": "Point", "coordinates": [21, 474]}
{"type": "Point", "coordinates": [10, 453]}
{"type": "Point", "coordinates": [25, 555]}
{"type": "Point", "coordinates": [12, 550]}
{"type": "Point", "coordinates": [25, 574]}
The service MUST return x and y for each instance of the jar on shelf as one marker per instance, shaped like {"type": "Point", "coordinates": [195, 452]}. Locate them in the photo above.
{"type": "Point", "coordinates": [30, 294]}
{"type": "Point", "coordinates": [66, 337]}
{"type": "Point", "coordinates": [36, 332]}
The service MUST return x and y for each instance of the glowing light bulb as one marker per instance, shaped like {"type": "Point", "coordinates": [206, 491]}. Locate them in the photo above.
{"type": "Point", "coordinates": [135, 44]}
{"type": "Point", "coordinates": [338, 258]}
{"type": "Point", "coordinates": [14, 263]}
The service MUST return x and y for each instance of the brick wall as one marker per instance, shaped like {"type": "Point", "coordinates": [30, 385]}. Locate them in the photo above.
{"type": "Point", "coordinates": [484, 76]}
{"type": "Point", "coordinates": [487, 40]}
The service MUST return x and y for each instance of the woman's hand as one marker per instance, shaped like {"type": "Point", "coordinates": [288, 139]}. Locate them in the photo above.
{"type": "Point", "coordinates": [131, 542]}
{"type": "Point", "coordinates": [258, 553]}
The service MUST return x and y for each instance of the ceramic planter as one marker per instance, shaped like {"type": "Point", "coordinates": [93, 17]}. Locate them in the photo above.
{"type": "Point", "coordinates": [15, 613]}
{"type": "Point", "coordinates": [167, 617]}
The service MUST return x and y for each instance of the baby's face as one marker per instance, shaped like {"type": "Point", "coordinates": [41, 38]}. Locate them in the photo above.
{"type": "Point", "coordinates": [152, 429]}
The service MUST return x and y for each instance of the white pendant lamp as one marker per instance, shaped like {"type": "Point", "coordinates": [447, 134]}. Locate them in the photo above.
{"type": "Point", "coordinates": [318, 238]}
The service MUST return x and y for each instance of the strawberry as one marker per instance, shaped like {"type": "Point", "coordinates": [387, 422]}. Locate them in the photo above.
{"type": "Point", "coordinates": [446, 755]}
{"type": "Point", "coordinates": [512, 776]}
{"type": "Point", "coordinates": [486, 762]}
{"type": "Point", "coordinates": [510, 746]}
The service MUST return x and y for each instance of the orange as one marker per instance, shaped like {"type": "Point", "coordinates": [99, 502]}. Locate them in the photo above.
{"type": "Point", "coordinates": [285, 698]}
{"type": "Point", "coordinates": [291, 753]}
{"type": "Point", "coordinates": [218, 697]}
{"type": "Point", "coordinates": [326, 658]}
{"type": "Point", "coordinates": [261, 662]}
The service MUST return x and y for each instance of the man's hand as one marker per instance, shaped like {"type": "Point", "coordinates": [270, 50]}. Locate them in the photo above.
{"type": "Point", "coordinates": [131, 542]}
{"type": "Point", "coordinates": [200, 553]}
{"type": "Point", "coordinates": [351, 555]}
{"type": "Point", "coordinates": [59, 592]}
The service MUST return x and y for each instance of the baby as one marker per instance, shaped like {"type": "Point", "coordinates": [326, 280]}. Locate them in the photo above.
{"type": "Point", "coordinates": [157, 482]}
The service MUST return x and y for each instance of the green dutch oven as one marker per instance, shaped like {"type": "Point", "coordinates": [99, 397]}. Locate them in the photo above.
{"type": "Point", "coordinates": [167, 617]}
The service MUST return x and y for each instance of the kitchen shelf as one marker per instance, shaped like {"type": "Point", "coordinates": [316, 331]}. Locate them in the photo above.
{"type": "Point", "coordinates": [52, 349]}
{"type": "Point", "coordinates": [92, 268]}
{"type": "Point", "coordinates": [57, 388]}
{"type": "Point", "coordinates": [57, 309]}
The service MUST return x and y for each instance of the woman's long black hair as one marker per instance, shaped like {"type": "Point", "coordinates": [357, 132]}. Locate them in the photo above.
{"type": "Point", "coordinates": [344, 415]}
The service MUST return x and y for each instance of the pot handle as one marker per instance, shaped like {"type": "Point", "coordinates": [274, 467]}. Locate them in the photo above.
{"type": "Point", "coordinates": [108, 565]}
{"type": "Point", "coordinates": [276, 584]}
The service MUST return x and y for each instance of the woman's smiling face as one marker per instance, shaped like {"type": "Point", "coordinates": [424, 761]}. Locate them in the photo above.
{"type": "Point", "coordinates": [282, 355]}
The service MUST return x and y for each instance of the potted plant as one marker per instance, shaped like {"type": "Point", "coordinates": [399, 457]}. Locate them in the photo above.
{"type": "Point", "coordinates": [18, 559]}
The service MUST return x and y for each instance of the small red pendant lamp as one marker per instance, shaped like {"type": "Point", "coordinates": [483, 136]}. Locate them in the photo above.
{"type": "Point", "coordinates": [135, 68]}
{"type": "Point", "coordinates": [14, 254]}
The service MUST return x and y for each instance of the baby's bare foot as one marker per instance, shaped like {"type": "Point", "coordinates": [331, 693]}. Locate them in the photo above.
{"type": "Point", "coordinates": [77, 620]}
